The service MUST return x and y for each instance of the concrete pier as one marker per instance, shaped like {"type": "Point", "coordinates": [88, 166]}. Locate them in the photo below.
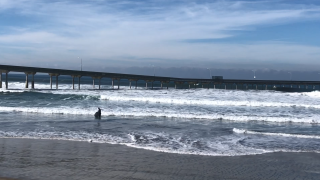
{"type": "Point", "coordinates": [222, 83]}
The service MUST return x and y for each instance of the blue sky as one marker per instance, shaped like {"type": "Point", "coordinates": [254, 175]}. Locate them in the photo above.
{"type": "Point", "coordinates": [282, 34]}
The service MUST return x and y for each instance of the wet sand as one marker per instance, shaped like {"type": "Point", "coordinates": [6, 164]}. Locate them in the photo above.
{"type": "Point", "coordinates": [28, 159]}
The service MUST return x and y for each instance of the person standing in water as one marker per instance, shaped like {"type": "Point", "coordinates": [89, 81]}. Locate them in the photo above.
{"type": "Point", "coordinates": [98, 113]}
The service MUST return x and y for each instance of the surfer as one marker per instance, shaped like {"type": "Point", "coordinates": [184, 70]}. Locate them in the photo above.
{"type": "Point", "coordinates": [98, 113]}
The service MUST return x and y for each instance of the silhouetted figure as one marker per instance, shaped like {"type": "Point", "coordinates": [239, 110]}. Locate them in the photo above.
{"type": "Point", "coordinates": [98, 113]}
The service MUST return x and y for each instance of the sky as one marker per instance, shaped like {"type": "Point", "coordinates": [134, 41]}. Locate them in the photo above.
{"type": "Point", "coordinates": [114, 34]}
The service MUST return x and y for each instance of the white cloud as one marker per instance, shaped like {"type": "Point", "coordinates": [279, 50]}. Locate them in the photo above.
{"type": "Point", "coordinates": [152, 30]}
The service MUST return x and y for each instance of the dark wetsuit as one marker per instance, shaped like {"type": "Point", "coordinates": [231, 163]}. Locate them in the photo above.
{"type": "Point", "coordinates": [98, 113]}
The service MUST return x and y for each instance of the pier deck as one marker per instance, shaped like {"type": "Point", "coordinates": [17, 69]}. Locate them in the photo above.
{"type": "Point", "coordinates": [163, 80]}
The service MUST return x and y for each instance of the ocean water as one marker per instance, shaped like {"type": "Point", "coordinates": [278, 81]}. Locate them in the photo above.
{"type": "Point", "coordinates": [214, 122]}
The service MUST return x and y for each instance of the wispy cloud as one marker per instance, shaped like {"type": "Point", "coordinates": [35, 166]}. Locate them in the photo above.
{"type": "Point", "coordinates": [142, 30]}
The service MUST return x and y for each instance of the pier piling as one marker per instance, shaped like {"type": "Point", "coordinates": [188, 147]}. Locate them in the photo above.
{"type": "Point", "coordinates": [50, 81]}
{"type": "Point", "coordinates": [79, 82]}
{"type": "Point", "coordinates": [32, 83]}
{"type": "Point", "coordinates": [0, 79]}
{"type": "Point", "coordinates": [72, 82]}
{"type": "Point", "coordinates": [7, 79]}
{"type": "Point", "coordinates": [27, 81]}
{"type": "Point", "coordinates": [178, 82]}
{"type": "Point", "coordinates": [57, 82]}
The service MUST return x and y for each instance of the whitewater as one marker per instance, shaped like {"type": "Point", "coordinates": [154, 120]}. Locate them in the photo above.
{"type": "Point", "coordinates": [214, 122]}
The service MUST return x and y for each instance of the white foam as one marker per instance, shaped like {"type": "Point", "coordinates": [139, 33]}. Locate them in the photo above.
{"type": "Point", "coordinates": [219, 146]}
{"type": "Point", "coordinates": [205, 102]}
{"type": "Point", "coordinates": [167, 113]}
{"type": "Point", "coordinates": [243, 131]}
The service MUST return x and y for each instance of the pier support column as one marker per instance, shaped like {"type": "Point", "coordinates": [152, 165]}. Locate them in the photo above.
{"type": "Point", "coordinates": [57, 82]}
{"type": "Point", "coordinates": [93, 81]}
{"type": "Point", "coordinates": [152, 85]}
{"type": "Point", "coordinates": [50, 81]}
{"type": "Point", "coordinates": [130, 84]}
{"type": "Point", "coordinates": [72, 82]}
{"type": "Point", "coordinates": [79, 82]}
{"type": "Point", "coordinates": [146, 85]}
{"type": "Point", "coordinates": [167, 85]}
{"type": "Point", "coordinates": [27, 81]}
{"type": "Point", "coordinates": [112, 83]}
{"type": "Point", "coordinates": [236, 87]}
{"type": "Point", "coordinates": [161, 85]}
{"type": "Point", "coordinates": [225, 86]}
{"type": "Point", "coordinates": [32, 83]}
{"type": "Point", "coordinates": [56, 75]}
{"type": "Point", "coordinates": [0, 79]}
{"type": "Point", "coordinates": [7, 79]}
{"type": "Point", "coordinates": [118, 83]}
{"type": "Point", "coordinates": [136, 84]}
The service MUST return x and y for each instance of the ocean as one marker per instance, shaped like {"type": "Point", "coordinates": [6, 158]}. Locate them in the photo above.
{"type": "Point", "coordinates": [199, 121]}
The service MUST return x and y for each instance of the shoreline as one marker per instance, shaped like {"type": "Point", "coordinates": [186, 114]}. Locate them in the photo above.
{"type": "Point", "coordinates": [25, 159]}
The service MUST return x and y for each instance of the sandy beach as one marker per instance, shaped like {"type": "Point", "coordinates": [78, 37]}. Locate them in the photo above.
{"type": "Point", "coordinates": [53, 159]}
